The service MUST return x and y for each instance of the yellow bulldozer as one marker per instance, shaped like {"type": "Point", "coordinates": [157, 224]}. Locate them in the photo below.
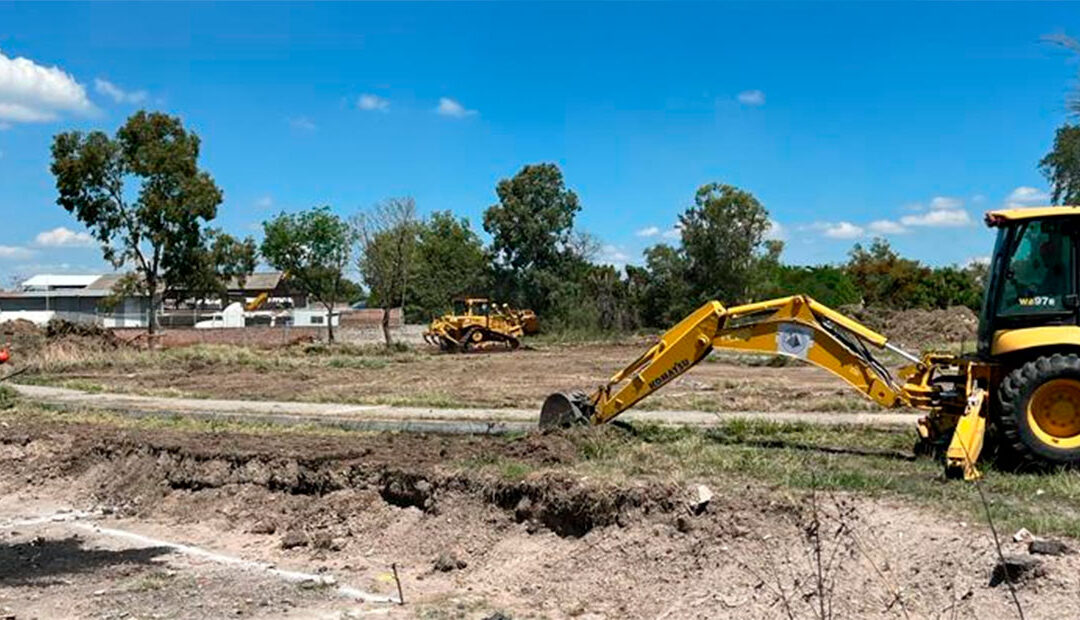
{"type": "Point", "coordinates": [1022, 383]}
{"type": "Point", "coordinates": [477, 323]}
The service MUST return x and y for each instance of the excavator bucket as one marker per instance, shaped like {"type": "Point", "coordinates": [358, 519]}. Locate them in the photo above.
{"type": "Point", "coordinates": [562, 410]}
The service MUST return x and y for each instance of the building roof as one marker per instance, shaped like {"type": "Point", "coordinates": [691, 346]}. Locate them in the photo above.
{"type": "Point", "coordinates": [258, 281]}
{"type": "Point", "coordinates": [105, 282]}
{"type": "Point", "coordinates": [993, 218]}
{"type": "Point", "coordinates": [59, 280]}
{"type": "Point", "coordinates": [102, 285]}
{"type": "Point", "coordinates": [55, 293]}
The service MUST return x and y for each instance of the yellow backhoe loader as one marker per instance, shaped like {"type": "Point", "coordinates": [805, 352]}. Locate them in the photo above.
{"type": "Point", "coordinates": [1023, 381]}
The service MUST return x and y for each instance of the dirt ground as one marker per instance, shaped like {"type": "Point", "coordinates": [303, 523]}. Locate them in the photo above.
{"type": "Point", "coordinates": [83, 358]}
{"type": "Point", "coordinates": [519, 379]}
{"type": "Point", "coordinates": [547, 542]}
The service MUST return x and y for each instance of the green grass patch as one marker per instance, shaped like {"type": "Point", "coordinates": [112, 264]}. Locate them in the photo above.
{"type": "Point", "coordinates": [8, 397]}
{"type": "Point", "coordinates": [170, 422]}
{"type": "Point", "coordinates": [343, 361]}
{"type": "Point", "coordinates": [869, 462]}
{"type": "Point", "coordinates": [82, 385]}
{"type": "Point", "coordinates": [505, 468]}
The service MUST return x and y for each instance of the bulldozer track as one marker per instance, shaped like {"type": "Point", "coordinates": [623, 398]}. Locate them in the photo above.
{"type": "Point", "coordinates": [406, 419]}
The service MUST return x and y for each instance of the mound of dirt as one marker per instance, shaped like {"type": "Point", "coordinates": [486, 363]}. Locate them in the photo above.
{"type": "Point", "coordinates": [59, 329]}
{"type": "Point", "coordinates": [28, 338]}
{"type": "Point", "coordinates": [918, 328]}
{"type": "Point", "coordinates": [24, 335]}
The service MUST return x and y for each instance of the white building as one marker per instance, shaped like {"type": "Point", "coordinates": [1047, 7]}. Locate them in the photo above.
{"type": "Point", "coordinates": [264, 299]}
{"type": "Point", "coordinates": [76, 298]}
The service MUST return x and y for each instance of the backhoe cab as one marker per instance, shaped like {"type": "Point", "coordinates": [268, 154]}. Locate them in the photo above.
{"type": "Point", "coordinates": [1024, 379]}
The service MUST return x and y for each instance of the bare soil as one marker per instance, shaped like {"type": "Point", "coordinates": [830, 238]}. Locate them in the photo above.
{"type": "Point", "coordinates": [519, 379]}
{"type": "Point", "coordinates": [548, 542]}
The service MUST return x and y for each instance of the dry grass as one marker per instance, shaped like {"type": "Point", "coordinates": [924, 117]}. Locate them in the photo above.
{"type": "Point", "coordinates": [62, 357]}
{"type": "Point", "coordinates": [420, 377]}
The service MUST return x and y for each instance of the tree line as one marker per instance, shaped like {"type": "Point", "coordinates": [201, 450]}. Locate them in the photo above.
{"type": "Point", "coordinates": [143, 196]}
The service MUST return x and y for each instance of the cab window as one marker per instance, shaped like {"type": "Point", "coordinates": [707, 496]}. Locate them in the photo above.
{"type": "Point", "coordinates": [1037, 275]}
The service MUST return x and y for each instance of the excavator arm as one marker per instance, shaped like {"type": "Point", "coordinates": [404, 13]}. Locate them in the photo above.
{"type": "Point", "coordinates": [794, 326]}
{"type": "Point", "coordinates": [797, 327]}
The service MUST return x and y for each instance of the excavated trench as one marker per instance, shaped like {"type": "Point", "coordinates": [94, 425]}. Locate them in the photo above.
{"type": "Point", "coordinates": [137, 470]}
{"type": "Point", "coordinates": [535, 538]}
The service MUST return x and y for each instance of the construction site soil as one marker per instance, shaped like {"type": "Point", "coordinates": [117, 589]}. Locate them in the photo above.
{"type": "Point", "coordinates": [422, 377]}
{"type": "Point", "coordinates": [466, 541]}
{"type": "Point", "coordinates": [519, 379]}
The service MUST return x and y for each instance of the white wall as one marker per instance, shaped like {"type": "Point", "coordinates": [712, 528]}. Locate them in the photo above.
{"type": "Point", "coordinates": [313, 318]}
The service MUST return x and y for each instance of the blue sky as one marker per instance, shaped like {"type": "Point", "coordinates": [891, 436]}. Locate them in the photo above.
{"type": "Point", "coordinates": [845, 120]}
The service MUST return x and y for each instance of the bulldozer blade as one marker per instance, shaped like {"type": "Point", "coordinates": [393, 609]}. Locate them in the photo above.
{"type": "Point", "coordinates": [561, 411]}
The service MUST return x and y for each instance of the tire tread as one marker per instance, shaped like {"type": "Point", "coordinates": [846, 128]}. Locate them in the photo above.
{"type": "Point", "coordinates": [1013, 393]}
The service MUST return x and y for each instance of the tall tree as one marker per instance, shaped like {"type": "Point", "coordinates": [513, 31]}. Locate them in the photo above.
{"type": "Point", "coordinates": [886, 279]}
{"type": "Point", "coordinates": [662, 288]}
{"type": "Point", "coordinates": [829, 284]}
{"type": "Point", "coordinates": [223, 260]}
{"type": "Point", "coordinates": [531, 229]}
{"type": "Point", "coordinates": [1061, 166]}
{"type": "Point", "coordinates": [386, 236]}
{"type": "Point", "coordinates": [314, 248]}
{"type": "Point", "coordinates": [449, 262]}
{"type": "Point", "coordinates": [723, 238]}
{"type": "Point", "coordinates": [143, 197]}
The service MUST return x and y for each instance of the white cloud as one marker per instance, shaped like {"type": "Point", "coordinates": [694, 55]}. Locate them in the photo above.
{"type": "Point", "coordinates": [63, 237]}
{"type": "Point", "coordinates": [945, 202]}
{"type": "Point", "coordinates": [372, 102]}
{"type": "Point", "coordinates": [775, 231]}
{"type": "Point", "coordinates": [938, 218]}
{"type": "Point", "coordinates": [449, 107]}
{"type": "Point", "coordinates": [977, 260]}
{"type": "Point", "coordinates": [303, 123]}
{"type": "Point", "coordinates": [613, 256]}
{"type": "Point", "coordinates": [751, 97]}
{"type": "Point", "coordinates": [675, 232]}
{"type": "Point", "coordinates": [943, 211]}
{"type": "Point", "coordinates": [16, 252]}
{"type": "Point", "coordinates": [32, 93]}
{"type": "Point", "coordinates": [1026, 196]}
{"type": "Point", "coordinates": [648, 231]}
{"type": "Point", "coordinates": [841, 230]}
{"type": "Point", "coordinates": [886, 227]}
{"type": "Point", "coordinates": [264, 202]}
{"type": "Point", "coordinates": [119, 95]}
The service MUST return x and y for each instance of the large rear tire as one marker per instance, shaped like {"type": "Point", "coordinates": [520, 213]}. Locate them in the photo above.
{"type": "Point", "coordinates": [1040, 410]}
